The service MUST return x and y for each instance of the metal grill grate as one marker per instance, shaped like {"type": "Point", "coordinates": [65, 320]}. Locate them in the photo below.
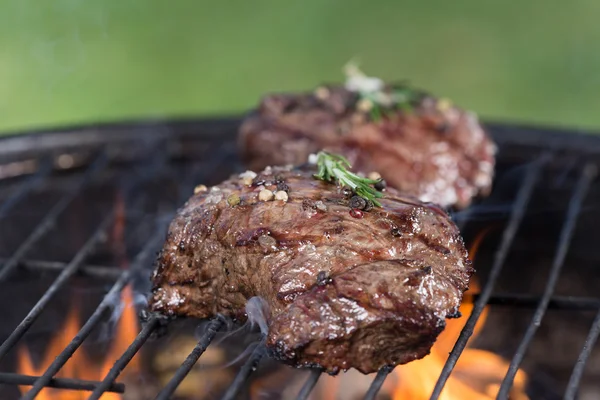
{"type": "Point", "coordinates": [188, 153]}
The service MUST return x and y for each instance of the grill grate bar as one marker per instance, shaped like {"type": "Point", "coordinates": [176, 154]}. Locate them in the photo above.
{"type": "Point", "coordinates": [50, 218]}
{"type": "Point", "coordinates": [588, 346]}
{"type": "Point", "coordinates": [57, 383]}
{"type": "Point", "coordinates": [96, 271]}
{"type": "Point", "coordinates": [191, 360]}
{"type": "Point", "coordinates": [575, 204]}
{"type": "Point", "coordinates": [108, 382]}
{"type": "Point", "coordinates": [377, 383]}
{"type": "Point", "coordinates": [245, 372]}
{"type": "Point", "coordinates": [95, 318]}
{"type": "Point", "coordinates": [310, 384]}
{"type": "Point", "coordinates": [64, 276]}
{"type": "Point", "coordinates": [31, 183]}
{"type": "Point", "coordinates": [517, 214]}
{"type": "Point", "coordinates": [556, 302]}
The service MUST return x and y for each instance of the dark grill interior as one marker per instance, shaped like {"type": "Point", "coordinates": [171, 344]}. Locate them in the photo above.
{"type": "Point", "coordinates": [64, 196]}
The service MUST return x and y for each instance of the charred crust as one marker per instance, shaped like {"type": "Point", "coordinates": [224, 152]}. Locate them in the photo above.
{"type": "Point", "coordinates": [251, 237]}
{"type": "Point", "coordinates": [441, 249]}
{"type": "Point", "coordinates": [337, 230]}
{"type": "Point", "coordinates": [308, 204]}
{"type": "Point", "coordinates": [415, 277]}
{"type": "Point", "coordinates": [455, 313]}
{"type": "Point", "coordinates": [429, 242]}
{"type": "Point", "coordinates": [323, 278]}
{"type": "Point", "coordinates": [163, 321]}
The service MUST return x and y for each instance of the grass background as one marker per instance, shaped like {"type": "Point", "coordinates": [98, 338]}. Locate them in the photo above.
{"type": "Point", "coordinates": [75, 61]}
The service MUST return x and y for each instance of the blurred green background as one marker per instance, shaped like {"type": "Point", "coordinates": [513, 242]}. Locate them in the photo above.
{"type": "Point", "coordinates": [74, 61]}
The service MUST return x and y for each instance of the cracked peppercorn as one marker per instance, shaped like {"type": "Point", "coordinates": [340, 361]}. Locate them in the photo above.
{"type": "Point", "coordinates": [358, 203]}
{"type": "Point", "coordinates": [283, 186]}
{"type": "Point", "coordinates": [347, 192]}
{"type": "Point", "coordinates": [396, 232]}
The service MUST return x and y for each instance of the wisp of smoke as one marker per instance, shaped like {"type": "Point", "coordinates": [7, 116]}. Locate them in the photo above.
{"type": "Point", "coordinates": [482, 212]}
{"type": "Point", "coordinates": [107, 328]}
{"type": "Point", "coordinates": [117, 306]}
{"type": "Point", "coordinates": [140, 300]}
{"type": "Point", "coordinates": [258, 312]}
{"type": "Point", "coordinates": [255, 346]}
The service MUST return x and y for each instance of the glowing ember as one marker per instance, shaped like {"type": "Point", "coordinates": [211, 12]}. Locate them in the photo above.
{"type": "Point", "coordinates": [79, 366]}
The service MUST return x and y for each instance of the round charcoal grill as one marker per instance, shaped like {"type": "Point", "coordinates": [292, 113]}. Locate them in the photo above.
{"type": "Point", "coordinates": [64, 193]}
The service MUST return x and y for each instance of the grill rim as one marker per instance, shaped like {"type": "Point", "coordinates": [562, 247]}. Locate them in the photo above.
{"type": "Point", "coordinates": [38, 140]}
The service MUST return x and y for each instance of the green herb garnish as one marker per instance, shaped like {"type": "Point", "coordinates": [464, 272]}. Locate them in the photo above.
{"type": "Point", "coordinates": [334, 168]}
{"type": "Point", "coordinates": [375, 97]}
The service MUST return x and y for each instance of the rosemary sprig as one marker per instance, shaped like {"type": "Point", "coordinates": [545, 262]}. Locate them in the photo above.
{"type": "Point", "coordinates": [334, 168]}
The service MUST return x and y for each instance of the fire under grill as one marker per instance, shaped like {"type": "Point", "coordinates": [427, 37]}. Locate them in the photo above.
{"type": "Point", "coordinates": [92, 205]}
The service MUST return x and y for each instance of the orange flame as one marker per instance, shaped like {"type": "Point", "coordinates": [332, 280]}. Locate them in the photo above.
{"type": "Point", "coordinates": [80, 366]}
{"type": "Point", "coordinates": [477, 374]}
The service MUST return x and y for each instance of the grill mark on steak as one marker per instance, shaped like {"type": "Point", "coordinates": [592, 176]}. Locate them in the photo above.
{"type": "Point", "coordinates": [342, 292]}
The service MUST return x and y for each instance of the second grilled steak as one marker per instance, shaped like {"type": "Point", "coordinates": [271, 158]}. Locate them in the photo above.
{"type": "Point", "coordinates": [344, 288]}
{"type": "Point", "coordinates": [424, 146]}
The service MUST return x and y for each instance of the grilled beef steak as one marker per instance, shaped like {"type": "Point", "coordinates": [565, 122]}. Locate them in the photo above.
{"type": "Point", "coordinates": [344, 287]}
{"type": "Point", "coordinates": [424, 146]}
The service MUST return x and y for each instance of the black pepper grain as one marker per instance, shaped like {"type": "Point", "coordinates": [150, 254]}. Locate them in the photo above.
{"type": "Point", "coordinates": [347, 192]}
{"type": "Point", "coordinates": [358, 203]}
{"type": "Point", "coordinates": [396, 232]}
{"type": "Point", "coordinates": [323, 278]}
{"type": "Point", "coordinates": [283, 186]}
{"type": "Point", "coordinates": [369, 206]}
{"type": "Point", "coordinates": [382, 184]}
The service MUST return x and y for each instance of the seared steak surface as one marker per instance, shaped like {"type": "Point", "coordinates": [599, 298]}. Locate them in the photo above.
{"type": "Point", "coordinates": [344, 288]}
{"type": "Point", "coordinates": [433, 150]}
